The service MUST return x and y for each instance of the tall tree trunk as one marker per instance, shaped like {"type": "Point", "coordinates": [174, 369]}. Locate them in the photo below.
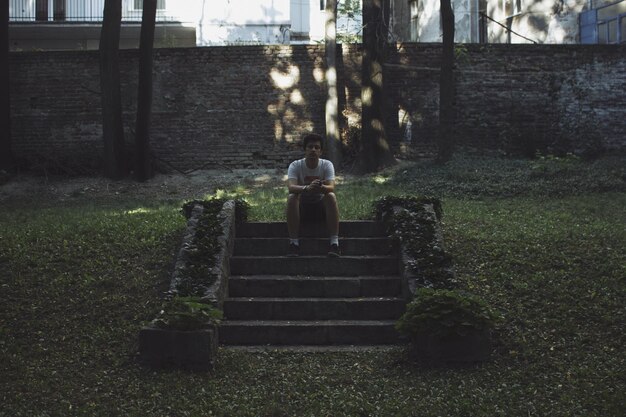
{"type": "Point", "coordinates": [143, 161]}
{"type": "Point", "coordinates": [332, 100]}
{"type": "Point", "coordinates": [112, 128]}
{"type": "Point", "coordinates": [41, 10]}
{"type": "Point", "coordinates": [375, 151]}
{"type": "Point", "coordinates": [445, 147]}
{"type": "Point", "coordinates": [6, 156]}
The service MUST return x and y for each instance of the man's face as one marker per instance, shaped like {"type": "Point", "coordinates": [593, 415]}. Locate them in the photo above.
{"type": "Point", "coordinates": [313, 150]}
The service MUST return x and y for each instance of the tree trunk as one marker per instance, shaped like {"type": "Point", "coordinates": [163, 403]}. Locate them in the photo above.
{"type": "Point", "coordinates": [143, 161]}
{"type": "Point", "coordinates": [41, 10]}
{"type": "Point", "coordinates": [375, 151]}
{"type": "Point", "coordinates": [6, 156]}
{"type": "Point", "coordinates": [445, 146]}
{"type": "Point", "coordinates": [112, 128]}
{"type": "Point", "coordinates": [332, 101]}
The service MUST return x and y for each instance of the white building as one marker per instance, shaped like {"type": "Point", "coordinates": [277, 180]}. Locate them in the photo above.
{"type": "Point", "coordinates": [75, 24]}
{"type": "Point", "coordinates": [514, 21]}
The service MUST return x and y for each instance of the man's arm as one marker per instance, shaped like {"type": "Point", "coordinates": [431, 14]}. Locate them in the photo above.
{"type": "Point", "coordinates": [295, 188]}
{"type": "Point", "coordinates": [328, 187]}
{"type": "Point", "coordinates": [316, 187]}
{"type": "Point", "coordinates": [321, 187]}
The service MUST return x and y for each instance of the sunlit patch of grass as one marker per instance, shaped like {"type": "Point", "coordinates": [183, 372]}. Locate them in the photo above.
{"type": "Point", "coordinates": [354, 198]}
{"type": "Point", "coordinates": [139, 210]}
{"type": "Point", "coordinates": [380, 179]}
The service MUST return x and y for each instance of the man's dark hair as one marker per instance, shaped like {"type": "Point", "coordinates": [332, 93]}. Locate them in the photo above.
{"type": "Point", "coordinates": [312, 137]}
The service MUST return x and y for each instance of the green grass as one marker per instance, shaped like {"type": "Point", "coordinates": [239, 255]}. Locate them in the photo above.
{"type": "Point", "coordinates": [79, 280]}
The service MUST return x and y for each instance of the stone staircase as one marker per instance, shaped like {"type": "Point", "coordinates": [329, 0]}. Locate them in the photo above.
{"type": "Point", "coordinates": [312, 299]}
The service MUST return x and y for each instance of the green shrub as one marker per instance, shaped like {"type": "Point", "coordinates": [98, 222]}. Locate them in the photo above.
{"type": "Point", "coordinates": [214, 205]}
{"type": "Point", "coordinates": [445, 313]}
{"type": "Point", "coordinates": [187, 313]}
{"type": "Point", "coordinates": [384, 205]}
{"type": "Point", "coordinates": [204, 246]}
{"type": "Point", "coordinates": [416, 228]}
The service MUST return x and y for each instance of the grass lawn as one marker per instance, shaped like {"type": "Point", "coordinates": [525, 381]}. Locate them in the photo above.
{"type": "Point", "coordinates": [542, 241]}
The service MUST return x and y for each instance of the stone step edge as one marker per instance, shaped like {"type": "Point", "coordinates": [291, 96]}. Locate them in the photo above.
{"type": "Point", "coordinates": [313, 257]}
{"type": "Point", "coordinates": [306, 323]}
{"type": "Point", "coordinates": [348, 222]}
{"type": "Point", "coordinates": [316, 238]}
{"type": "Point", "coordinates": [360, 228]}
{"type": "Point", "coordinates": [305, 278]}
{"type": "Point", "coordinates": [310, 299]}
{"type": "Point", "coordinates": [317, 348]}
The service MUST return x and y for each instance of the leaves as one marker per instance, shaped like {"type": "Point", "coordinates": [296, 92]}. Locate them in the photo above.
{"type": "Point", "coordinates": [79, 279]}
{"type": "Point", "coordinates": [187, 313]}
{"type": "Point", "coordinates": [445, 312]}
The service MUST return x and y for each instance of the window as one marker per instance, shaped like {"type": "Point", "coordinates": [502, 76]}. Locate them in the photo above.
{"type": "Point", "coordinates": [606, 24]}
{"type": "Point", "coordinates": [139, 4]}
{"type": "Point", "coordinates": [322, 4]}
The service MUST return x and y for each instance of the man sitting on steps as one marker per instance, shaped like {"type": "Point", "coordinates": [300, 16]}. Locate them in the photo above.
{"type": "Point", "coordinates": [311, 194]}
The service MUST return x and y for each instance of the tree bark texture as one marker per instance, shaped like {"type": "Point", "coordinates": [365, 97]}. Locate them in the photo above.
{"type": "Point", "coordinates": [445, 146]}
{"type": "Point", "coordinates": [6, 156]}
{"type": "Point", "coordinates": [143, 160]}
{"type": "Point", "coordinates": [375, 150]}
{"type": "Point", "coordinates": [112, 127]}
{"type": "Point", "coordinates": [332, 101]}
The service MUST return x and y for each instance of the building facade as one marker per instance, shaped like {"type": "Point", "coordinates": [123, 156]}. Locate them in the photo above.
{"type": "Point", "coordinates": [75, 24]}
{"type": "Point", "coordinates": [513, 21]}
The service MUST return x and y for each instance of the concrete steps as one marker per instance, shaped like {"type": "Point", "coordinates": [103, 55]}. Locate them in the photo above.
{"type": "Point", "coordinates": [312, 286]}
{"type": "Point", "coordinates": [353, 246]}
{"type": "Point", "coordinates": [314, 265]}
{"type": "Point", "coordinates": [262, 308]}
{"type": "Point", "coordinates": [318, 332]}
{"type": "Point", "coordinates": [312, 299]}
{"type": "Point", "coordinates": [355, 228]}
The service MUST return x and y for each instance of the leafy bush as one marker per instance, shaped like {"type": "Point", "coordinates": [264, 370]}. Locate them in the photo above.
{"type": "Point", "coordinates": [384, 205]}
{"type": "Point", "coordinates": [416, 228]}
{"type": "Point", "coordinates": [187, 313]}
{"type": "Point", "coordinates": [214, 205]}
{"type": "Point", "coordinates": [203, 248]}
{"type": "Point", "coordinates": [445, 313]}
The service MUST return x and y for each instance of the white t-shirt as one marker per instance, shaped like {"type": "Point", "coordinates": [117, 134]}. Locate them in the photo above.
{"type": "Point", "coordinates": [304, 175]}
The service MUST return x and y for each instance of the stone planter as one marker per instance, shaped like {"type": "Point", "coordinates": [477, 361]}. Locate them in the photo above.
{"type": "Point", "coordinates": [472, 347]}
{"type": "Point", "coordinates": [193, 350]}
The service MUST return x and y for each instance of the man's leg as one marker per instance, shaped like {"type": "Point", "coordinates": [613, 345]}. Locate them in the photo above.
{"type": "Point", "coordinates": [293, 215]}
{"type": "Point", "coordinates": [332, 222]}
{"type": "Point", "coordinates": [293, 223]}
{"type": "Point", "coordinates": [332, 213]}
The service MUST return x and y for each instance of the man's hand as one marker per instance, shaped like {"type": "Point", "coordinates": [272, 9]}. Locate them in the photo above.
{"type": "Point", "coordinates": [315, 187]}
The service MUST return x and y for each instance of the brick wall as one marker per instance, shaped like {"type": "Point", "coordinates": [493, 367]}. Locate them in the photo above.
{"type": "Point", "coordinates": [517, 97]}
{"type": "Point", "coordinates": [246, 106]}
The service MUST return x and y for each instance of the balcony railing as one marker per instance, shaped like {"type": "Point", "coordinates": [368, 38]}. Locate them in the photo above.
{"type": "Point", "coordinates": [62, 11]}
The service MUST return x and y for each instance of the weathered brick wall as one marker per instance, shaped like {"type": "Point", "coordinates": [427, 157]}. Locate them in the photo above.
{"type": "Point", "coordinates": [224, 106]}
{"type": "Point", "coordinates": [246, 106]}
{"type": "Point", "coordinates": [516, 97]}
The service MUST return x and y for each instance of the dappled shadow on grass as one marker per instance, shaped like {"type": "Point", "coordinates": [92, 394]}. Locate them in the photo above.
{"type": "Point", "coordinates": [471, 176]}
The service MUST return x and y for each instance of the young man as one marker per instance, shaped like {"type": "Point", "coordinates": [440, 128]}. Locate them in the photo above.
{"type": "Point", "coordinates": [311, 194]}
